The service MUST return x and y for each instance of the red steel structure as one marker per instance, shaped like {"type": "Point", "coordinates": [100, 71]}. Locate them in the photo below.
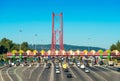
{"type": "Point", "coordinates": [56, 32]}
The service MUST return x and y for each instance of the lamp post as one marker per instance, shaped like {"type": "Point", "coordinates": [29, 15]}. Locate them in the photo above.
{"type": "Point", "coordinates": [89, 44]}
{"type": "Point", "coordinates": [35, 41]}
{"type": "Point", "coordinates": [20, 39]}
{"type": "Point", "coordinates": [41, 44]}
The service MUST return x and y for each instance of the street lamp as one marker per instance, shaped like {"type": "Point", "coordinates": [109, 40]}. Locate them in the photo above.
{"type": "Point", "coordinates": [89, 44]}
{"type": "Point", "coordinates": [20, 39]}
{"type": "Point", "coordinates": [35, 41]}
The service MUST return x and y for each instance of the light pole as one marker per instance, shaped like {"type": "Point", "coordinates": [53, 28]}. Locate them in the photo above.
{"type": "Point", "coordinates": [89, 44]}
{"type": "Point", "coordinates": [20, 39]}
{"type": "Point", "coordinates": [41, 44]}
{"type": "Point", "coordinates": [35, 41]}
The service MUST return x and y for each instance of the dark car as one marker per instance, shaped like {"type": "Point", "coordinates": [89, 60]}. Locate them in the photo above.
{"type": "Point", "coordinates": [118, 69]}
{"type": "Point", "coordinates": [48, 65]}
{"type": "Point", "coordinates": [69, 75]}
{"type": "Point", "coordinates": [101, 62]}
{"type": "Point", "coordinates": [66, 70]}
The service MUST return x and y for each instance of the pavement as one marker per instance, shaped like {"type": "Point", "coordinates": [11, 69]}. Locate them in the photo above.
{"type": "Point", "coordinates": [33, 73]}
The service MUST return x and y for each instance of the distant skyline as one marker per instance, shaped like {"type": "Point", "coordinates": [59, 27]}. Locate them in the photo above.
{"type": "Point", "coordinates": [86, 22]}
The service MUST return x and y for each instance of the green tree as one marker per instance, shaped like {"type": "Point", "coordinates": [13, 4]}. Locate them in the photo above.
{"type": "Point", "coordinates": [24, 46]}
{"type": "Point", "coordinates": [6, 43]}
{"type": "Point", "coordinates": [113, 47]}
{"type": "Point", "coordinates": [118, 46]}
{"type": "Point", "coordinates": [15, 46]}
{"type": "Point", "coordinates": [3, 50]}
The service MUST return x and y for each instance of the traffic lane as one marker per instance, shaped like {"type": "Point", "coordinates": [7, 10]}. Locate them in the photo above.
{"type": "Point", "coordinates": [45, 75]}
{"type": "Point", "coordinates": [27, 72]}
{"type": "Point", "coordinates": [65, 76]}
{"type": "Point", "coordinates": [113, 75]}
{"type": "Point", "coordinates": [80, 76]}
{"type": "Point", "coordinates": [20, 71]}
{"type": "Point", "coordinates": [35, 73]}
{"type": "Point", "coordinates": [93, 75]}
{"type": "Point", "coordinates": [11, 72]}
{"type": "Point", "coordinates": [57, 77]}
{"type": "Point", "coordinates": [4, 74]}
{"type": "Point", "coordinates": [103, 73]}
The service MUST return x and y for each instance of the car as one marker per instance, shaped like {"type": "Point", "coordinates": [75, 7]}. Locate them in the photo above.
{"type": "Point", "coordinates": [47, 67]}
{"type": "Point", "coordinates": [71, 63]}
{"type": "Point", "coordinates": [57, 66]}
{"type": "Point", "coordinates": [57, 71]}
{"type": "Point", "coordinates": [49, 64]}
{"type": "Point", "coordinates": [118, 70]}
{"type": "Point", "coordinates": [12, 64]}
{"type": "Point", "coordinates": [101, 62]}
{"type": "Point", "coordinates": [82, 66]}
{"type": "Point", "coordinates": [87, 70]}
{"type": "Point", "coordinates": [78, 65]}
{"type": "Point", "coordinates": [66, 70]}
{"type": "Point", "coordinates": [9, 65]}
{"type": "Point", "coordinates": [69, 75]}
{"type": "Point", "coordinates": [17, 63]}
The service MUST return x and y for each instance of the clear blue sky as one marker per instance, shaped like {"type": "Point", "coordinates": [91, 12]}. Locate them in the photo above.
{"type": "Point", "coordinates": [86, 22]}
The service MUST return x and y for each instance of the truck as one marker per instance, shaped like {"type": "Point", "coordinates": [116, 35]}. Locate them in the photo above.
{"type": "Point", "coordinates": [64, 66]}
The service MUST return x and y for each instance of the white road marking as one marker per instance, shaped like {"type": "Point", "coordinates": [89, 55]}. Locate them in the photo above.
{"type": "Point", "coordinates": [1, 75]}
{"type": "Point", "coordinates": [72, 73]}
{"type": "Point", "coordinates": [8, 74]}
{"type": "Point", "coordinates": [41, 72]}
{"type": "Point", "coordinates": [98, 75]}
{"type": "Point", "coordinates": [61, 71]}
{"type": "Point", "coordinates": [25, 69]}
{"type": "Point", "coordinates": [102, 71]}
{"type": "Point", "coordinates": [20, 79]}
{"type": "Point", "coordinates": [83, 73]}
{"type": "Point", "coordinates": [31, 72]}
{"type": "Point", "coordinates": [110, 70]}
{"type": "Point", "coordinates": [52, 73]}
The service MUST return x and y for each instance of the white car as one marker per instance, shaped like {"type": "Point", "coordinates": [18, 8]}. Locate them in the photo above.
{"type": "Point", "coordinates": [87, 70]}
{"type": "Point", "coordinates": [57, 71]}
{"type": "Point", "coordinates": [82, 66]}
{"type": "Point", "coordinates": [12, 64]}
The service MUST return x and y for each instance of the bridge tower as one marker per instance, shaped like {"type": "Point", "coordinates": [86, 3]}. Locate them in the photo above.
{"type": "Point", "coordinates": [57, 32]}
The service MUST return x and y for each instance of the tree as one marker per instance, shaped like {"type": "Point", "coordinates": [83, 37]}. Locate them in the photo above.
{"type": "Point", "coordinates": [6, 43]}
{"type": "Point", "coordinates": [24, 46]}
{"type": "Point", "coordinates": [15, 46]}
{"type": "Point", "coordinates": [118, 46]}
{"type": "Point", "coordinates": [113, 47]}
{"type": "Point", "coordinates": [3, 50]}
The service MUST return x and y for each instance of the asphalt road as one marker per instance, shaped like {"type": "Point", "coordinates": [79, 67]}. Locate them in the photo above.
{"type": "Point", "coordinates": [19, 73]}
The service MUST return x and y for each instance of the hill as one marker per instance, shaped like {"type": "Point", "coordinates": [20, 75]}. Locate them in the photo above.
{"type": "Point", "coordinates": [66, 47]}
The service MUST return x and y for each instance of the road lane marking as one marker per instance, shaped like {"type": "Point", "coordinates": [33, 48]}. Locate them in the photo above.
{"type": "Point", "coordinates": [98, 75]}
{"type": "Point", "coordinates": [110, 69]}
{"type": "Point", "coordinates": [83, 73]}
{"type": "Point", "coordinates": [25, 69]}
{"type": "Point", "coordinates": [41, 72]}
{"type": "Point", "coordinates": [31, 72]}
{"type": "Point", "coordinates": [61, 71]}
{"type": "Point", "coordinates": [19, 78]}
{"type": "Point", "coordinates": [72, 73]}
{"type": "Point", "coordinates": [102, 71]}
{"type": "Point", "coordinates": [52, 73]}
{"type": "Point", "coordinates": [1, 75]}
{"type": "Point", "coordinates": [9, 75]}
